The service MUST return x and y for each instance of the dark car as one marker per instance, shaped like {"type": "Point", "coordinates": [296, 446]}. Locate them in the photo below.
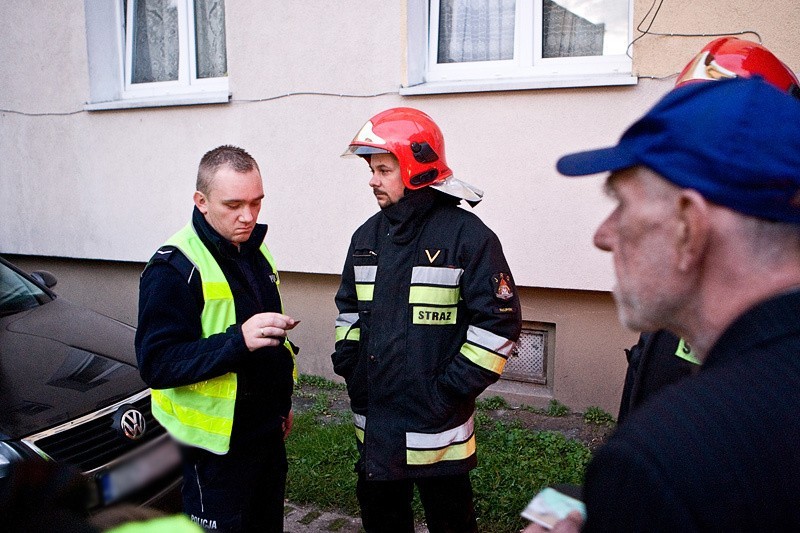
{"type": "Point", "coordinates": [70, 392]}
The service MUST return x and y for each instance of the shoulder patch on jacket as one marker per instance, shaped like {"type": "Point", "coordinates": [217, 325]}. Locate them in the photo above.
{"type": "Point", "coordinates": [170, 254]}
{"type": "Point", "coordinates": [163, 254]}
{"type": "Point", "coordinates": [503, 286]}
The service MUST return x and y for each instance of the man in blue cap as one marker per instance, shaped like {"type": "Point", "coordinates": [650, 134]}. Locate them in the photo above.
{"type": "Point", "coordinates": [660, 357]}
{"type": "Point", "coordinates": [705, 239]}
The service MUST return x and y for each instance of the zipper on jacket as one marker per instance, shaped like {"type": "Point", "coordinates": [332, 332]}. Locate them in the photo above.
{"type": "Point", "coordinates": [199, 488]}
{"type": "Point", "coordinates": [369, 253]}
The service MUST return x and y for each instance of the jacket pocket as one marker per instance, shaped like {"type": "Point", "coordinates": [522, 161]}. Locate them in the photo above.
{"type": "Point", "coordinates": [357, 379]}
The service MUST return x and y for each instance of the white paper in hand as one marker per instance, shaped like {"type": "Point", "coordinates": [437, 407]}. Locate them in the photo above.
{"type": "Point", "coordinates": [550, 506]}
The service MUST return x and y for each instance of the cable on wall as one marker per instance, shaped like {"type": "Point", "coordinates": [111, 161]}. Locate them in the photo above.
{"type": "Point", "coordinates": [647, 31]}
{"type": "Point", "coordinates": [44, 114]}
{"type": "Point", "coordinates": [233, 100]}
{"type": "Point", "coordinates": [310, 93]}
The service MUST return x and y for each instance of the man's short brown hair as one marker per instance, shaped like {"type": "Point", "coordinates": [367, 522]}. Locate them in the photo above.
{"type": "Point", "coordinates": [237, 158]}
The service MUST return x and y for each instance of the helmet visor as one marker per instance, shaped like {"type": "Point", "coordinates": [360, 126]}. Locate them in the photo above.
{"type": "Point", "coordinates": [365, 141]}
{"type": "Point", "coordinates": [704, 67]}
{"type": "Point", "coordinates": [360, 150]}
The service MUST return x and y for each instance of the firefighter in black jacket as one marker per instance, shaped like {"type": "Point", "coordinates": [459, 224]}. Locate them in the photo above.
{"type": "Point", "coordinates": [428, 315]}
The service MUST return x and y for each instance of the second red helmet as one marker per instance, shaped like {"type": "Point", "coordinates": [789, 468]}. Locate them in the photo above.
{"type": "Point", "coordinates": [729, 57]}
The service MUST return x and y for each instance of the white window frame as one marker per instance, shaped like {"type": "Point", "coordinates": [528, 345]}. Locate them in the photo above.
{"type": "Point", "coordinates": [527, 70]}
{"type": "Point", "coordinates": [187, 74]}
{"type": "Point", "coordinates": [109, 53]}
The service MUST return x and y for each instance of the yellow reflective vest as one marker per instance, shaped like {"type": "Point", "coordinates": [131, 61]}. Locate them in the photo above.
{"type": "Point", "coordinates": [201, 414]}
{"type": "Point", "coordinates": [178, 523]}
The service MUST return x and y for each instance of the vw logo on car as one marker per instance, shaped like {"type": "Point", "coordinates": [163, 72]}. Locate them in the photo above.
{"type": "Point", "coordinates": [129, 422]}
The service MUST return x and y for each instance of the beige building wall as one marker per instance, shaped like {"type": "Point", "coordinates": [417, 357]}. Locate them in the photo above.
{"type": "Point", "coordinates": [90, 195]}
{"type": "Point", "coordinates": [587, 364]}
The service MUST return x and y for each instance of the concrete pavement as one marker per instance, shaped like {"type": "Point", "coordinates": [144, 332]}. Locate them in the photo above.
{"type": "Point", "coordinates": [308, 519]}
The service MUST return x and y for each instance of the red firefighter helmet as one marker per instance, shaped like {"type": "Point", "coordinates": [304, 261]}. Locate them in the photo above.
{"type": "Point", "coordinates": [729, 57]}
{"type": "Point", "coordinates": [418, 144]}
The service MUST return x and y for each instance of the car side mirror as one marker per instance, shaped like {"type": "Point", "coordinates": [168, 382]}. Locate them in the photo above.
{"type": "Point", "coordinates": [48, 279]}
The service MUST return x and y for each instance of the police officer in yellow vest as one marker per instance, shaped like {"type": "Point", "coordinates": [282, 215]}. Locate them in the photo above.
{"type": "Point", "coordinates": [212, 344]}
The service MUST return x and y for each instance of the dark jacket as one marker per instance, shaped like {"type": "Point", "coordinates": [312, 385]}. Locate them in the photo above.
{"type": "Point", "coordinates": [169, 346]}
{"type": "Point", "coordinates": [652, 365]}
{"type": "Point", "coordinates": [717, 451]}
{"type": "Point", "coordinates": [418, 366]}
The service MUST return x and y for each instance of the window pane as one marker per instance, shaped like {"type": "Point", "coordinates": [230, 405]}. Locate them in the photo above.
{"type": "Point", "coordinates": [17, 293]}
{"type": "Point", "coordinates": [476, 30]}
{"type": "Point", "coordinates": [155, 41]}
{"type": "Point", "coordinates": [209, 19]}
{"type": "Point", "coordinates": [572, 28]}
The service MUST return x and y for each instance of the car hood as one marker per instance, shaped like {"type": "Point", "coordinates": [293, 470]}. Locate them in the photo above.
{"type": "Point", "coordinates": [60, 361]}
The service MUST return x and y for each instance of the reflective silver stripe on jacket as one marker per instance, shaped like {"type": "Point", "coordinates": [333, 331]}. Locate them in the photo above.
{"type": "Point", "coordinates": [435, 286]}
{"type": "Point", "coordinates": [428, 441]}
{"type": "Point", "coordinates": [486, 349]}
{"type": "Point", "coordinates": [366, 273]}
{"type": "Point", "coordinates": [365, 281]}
{"type": "Point", "coordinates": [425, 275]}
{"type": "Point", "coordinates": [345, 329]}
{"type": "Point", "coordinates": [346, 320]}
{"type": "Point", "coordinates": [454, 444]}
{"type": "Point", "coordinates": [360, 423]}
{"type": "Point", "coordinates": [490, 341]}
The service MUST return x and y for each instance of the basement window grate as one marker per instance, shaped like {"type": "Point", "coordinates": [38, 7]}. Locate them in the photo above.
{"type": "Point", "coordinates": [528, 362]}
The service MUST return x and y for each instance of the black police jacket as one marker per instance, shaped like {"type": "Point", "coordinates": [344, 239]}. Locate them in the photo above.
{"type": "Point", "coordinates": [169, 347]}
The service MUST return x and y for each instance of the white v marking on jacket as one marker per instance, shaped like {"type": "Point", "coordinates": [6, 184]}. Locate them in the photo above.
{"type": "Point", "coordinates": [432, 259]}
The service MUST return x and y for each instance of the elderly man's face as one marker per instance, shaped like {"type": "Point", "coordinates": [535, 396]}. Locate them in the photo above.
{"type": "Point", "coordinates": [641, 233]}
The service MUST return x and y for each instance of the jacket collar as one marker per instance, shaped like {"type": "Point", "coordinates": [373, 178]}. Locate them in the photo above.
{"type": "Point", "coordinates": [409, 214]}
{"type": "Point", "coordinates": [761, 324]}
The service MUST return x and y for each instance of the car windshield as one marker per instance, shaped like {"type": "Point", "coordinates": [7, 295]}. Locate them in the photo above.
{"type": "Point", "coordinates": [17, 293]}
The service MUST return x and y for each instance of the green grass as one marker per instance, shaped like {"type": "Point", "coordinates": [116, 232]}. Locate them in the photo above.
{"type": "Point", "coordinates": [557, 408]}
{"type": "Point", "coordinates": [513, 464]}
{"type": "Point", "coordinates": [317, 382]}
{"type": "Point", "coordinates": [597, 416]}
{"type": "Point", "coordinates": [492, 403]}
{"type": "Point", "coordinates": [321, 459]}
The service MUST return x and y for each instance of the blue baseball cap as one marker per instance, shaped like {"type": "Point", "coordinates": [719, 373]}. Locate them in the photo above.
{"type": "Point", "coordinates": [736, 142]}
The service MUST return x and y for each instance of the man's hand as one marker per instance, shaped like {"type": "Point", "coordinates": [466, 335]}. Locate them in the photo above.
{"type": "Point", "coordinates": [571, 524]}
{"type": "Point", "coordinates": [266, 329]}
{"type": "Point", "coordinates": [287, 424]}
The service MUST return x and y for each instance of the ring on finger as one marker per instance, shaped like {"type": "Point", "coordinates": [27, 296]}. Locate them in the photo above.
{"type": "Point", "coordinates": [261, 332]}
